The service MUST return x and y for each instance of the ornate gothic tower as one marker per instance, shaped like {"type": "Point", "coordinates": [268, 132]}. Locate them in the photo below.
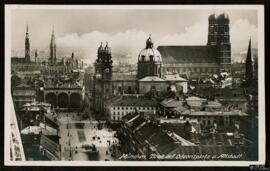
{"type": "Point", "coordinates": [53, 49]}
{"type": "Point", "coordinates": [219, 36]}
{"type": "Point", "coordinates": [103, 77]}
{"type": "Point", "coordinates": [249, 66]}
{"type": "Point", "coordinates": [149, 61]}
{"type": "Point", "coordinates": [27, 46]}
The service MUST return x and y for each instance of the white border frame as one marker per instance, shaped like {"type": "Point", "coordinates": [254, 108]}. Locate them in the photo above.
{"type": "Point", "coordinates": [261, 87]}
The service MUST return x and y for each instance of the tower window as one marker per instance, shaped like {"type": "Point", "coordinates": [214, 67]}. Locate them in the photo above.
{"type": "Point", "coordinates": [151, 58]}
{"type": "Point", "coordinates": [143, 58]}
{"type": "Point", "coordinates": [226, 28]}
{"type": "Point", "coordinates": [221, 29]}
{"type": "Point", "coordinates": [216, 29]}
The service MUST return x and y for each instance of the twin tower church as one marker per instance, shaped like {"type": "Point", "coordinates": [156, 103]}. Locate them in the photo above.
{"type": "Point", "coordinates": [52, 59]}
{"type": "Point", "coordinates": [160, 69]}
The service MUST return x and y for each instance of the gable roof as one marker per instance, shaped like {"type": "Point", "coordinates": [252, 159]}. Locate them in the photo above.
{"type": "Point", "coordinates": [188, 54]}
{"type": "Point", "coordinates": [152, 78]}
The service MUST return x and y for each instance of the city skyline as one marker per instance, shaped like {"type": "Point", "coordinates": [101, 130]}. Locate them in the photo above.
{"type": "Point", "coordinates": [128, 36]}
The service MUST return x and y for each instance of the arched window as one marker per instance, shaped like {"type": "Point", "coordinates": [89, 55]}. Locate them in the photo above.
{"type": "Point", "coordinates": [143, 58]}
{"type": "Point", "coordinates": [151, 58]}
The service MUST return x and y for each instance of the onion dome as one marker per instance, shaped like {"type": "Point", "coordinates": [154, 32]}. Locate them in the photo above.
{"type": "Point", "coordinates": [212, 17]}
{"type": "Point", "coordinates": [107, 49]}
{"type": "Point", "coordinates": [224, 16]}
{"type": "Point", "coordinates": [100, 48]}
{"type": "Point", "coordinates": [149, 53]}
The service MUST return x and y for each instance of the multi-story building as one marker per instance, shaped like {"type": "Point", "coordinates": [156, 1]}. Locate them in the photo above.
{"type": "Point", "coordinates": [120, 106]}
{"type": "Point", "coordinates": [65, 96]}
{"type": "Point", "coordinates": [23, 94]}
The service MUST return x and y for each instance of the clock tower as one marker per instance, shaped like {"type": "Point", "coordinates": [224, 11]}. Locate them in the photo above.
{"type": "Point", "coordinates": [103, 77]}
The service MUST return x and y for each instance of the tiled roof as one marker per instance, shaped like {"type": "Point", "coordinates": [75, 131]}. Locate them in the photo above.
{"type": "Point", "coordinates": [136, 122]}
{"type": "Point", "coordinates": [151, 78]}
{"type": "Point", "coordinates": [215, 113]}
{"type": "Point", "coordinates": [134, 101]}
{"type": "Point", "coordinates": [213, 104]}
{"type": "Point", "coordinates": [163, 142]}
{"type": "Point", "coordinates": [174, 77]}
{"type": "Point", "coordinates": [188, 54]}
{"type": "Point", "coordinates": [180, 109]}
{"type": "Point", "coordinates": [54, 138]}
{"type": "Point", "coordinates": [195, 98]}
{"type": "Point", "coordinates": [129, 116]}
{"type": "Point", "coordinates": [171, 103]}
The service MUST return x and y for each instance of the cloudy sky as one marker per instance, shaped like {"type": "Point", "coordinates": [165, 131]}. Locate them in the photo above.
{"type": "Point", "coordinates": [125, 30]}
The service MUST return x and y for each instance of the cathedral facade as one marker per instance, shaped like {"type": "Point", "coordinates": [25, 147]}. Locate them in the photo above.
{"type": "Point", "coordinates": [202, 61]}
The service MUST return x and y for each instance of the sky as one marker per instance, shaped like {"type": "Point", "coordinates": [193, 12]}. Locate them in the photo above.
{"type": "Point", "coordinates": [82, 30]}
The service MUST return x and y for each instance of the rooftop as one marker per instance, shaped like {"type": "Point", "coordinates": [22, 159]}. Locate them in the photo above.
{"type": "Point", "coordinates": [171, 103]}
{"type": "Point", "coordinates": [188, 54]}
{"type": "Point", "coordinates": [54, 138]}
{"type": "Point", "coordinates": [133, 101]}
{"type": "Point", "coordinates": [151, 78]}
{"type": "Point", "coordinates": [174, 77]}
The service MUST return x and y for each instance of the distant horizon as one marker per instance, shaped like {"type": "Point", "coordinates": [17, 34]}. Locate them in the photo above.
{"type": "Point", "coordinates": [126, 31]}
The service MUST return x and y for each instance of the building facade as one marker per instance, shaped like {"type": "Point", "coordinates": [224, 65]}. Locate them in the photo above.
{"type": "Point", "coordinates": [22, 94]}
{"type": "Point", "coordinates": [201, 61]}
{"type": "Point", "coordinates": [64, 96]}
{"type": "Point", "coordinates": [149, 76]}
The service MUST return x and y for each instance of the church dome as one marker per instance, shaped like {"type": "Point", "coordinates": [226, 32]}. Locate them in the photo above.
{"type": "Point", "coordinates": [149, 53]}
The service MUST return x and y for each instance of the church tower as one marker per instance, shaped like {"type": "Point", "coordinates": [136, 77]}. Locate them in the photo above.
{"type": "Point", "coordinates": [27, 46]}
{"type": "Point", "coordinates": [223, 42]}
{"type": "Point", "coordinates": [53, 49]}
{"type": "Point", "coordinates": [249, 66]}
{"type": "Point", "coordinates": [219, 37]}
{"type": "Point", "coordinates": [103, 76]}
{"type": "Point", "coordinates": [212, 30]}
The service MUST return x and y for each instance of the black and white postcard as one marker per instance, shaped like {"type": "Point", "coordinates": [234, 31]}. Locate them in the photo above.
{"type": "Point", "coordinates": [134, 85]}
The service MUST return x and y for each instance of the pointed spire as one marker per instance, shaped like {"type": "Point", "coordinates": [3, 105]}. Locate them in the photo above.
{"type": "Point", "coordinates": [249, 65]}
{"type": "Point", "coordinates": [27, 28]}
{"type": "Point", "coordinates": [53, 29]}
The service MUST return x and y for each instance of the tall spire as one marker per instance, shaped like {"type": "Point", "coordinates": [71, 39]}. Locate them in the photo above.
{"type": "Point", "coordinates": [27, 28]}
{"type": "Point", "coordinates": [53, 48]}
{"type": "Point", "coordinates": [27, 45]}
{"type": "Point", "coordinates": [249, 65]}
